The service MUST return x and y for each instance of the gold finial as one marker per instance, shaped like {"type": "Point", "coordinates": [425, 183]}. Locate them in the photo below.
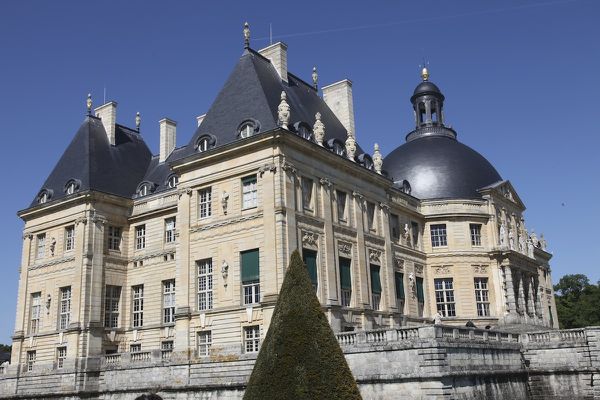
{"type": "Point", "coordinates": [246, 35]}
{"type": "Point", "coordinates": [315, 78]}
{"type": "Point", "coordinates": [425, 74]}
{"type": "Point", "coordinates": [89, 104]}
{"type": "Point", "coordinates": [138, 121]}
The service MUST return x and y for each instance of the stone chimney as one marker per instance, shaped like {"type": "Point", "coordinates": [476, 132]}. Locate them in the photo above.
{"type": "Point", "coordinates": [338, 96]}
{"type": "Point", "coordinates": [168, 132]}
{"type": "Point", "coordinates": [108, 114]}
{"type": "Point", "coordinates": [277, 54]}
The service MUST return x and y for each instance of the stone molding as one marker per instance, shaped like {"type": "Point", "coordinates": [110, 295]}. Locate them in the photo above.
{"type": "Point", "coordinates": [57, 261]}
{"type": "Point", "coordinates": [225, 223]}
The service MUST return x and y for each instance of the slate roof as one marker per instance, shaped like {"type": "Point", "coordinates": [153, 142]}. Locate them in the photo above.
{"type": "Point", "coordinates": [96, 165]}
{"type": "Point", "coordinates": [253, 91]}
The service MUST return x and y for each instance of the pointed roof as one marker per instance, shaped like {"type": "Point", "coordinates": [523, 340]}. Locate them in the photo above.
{"type": "Point", "coordinates": [300, 357]}
{"type": "Point", "coordinates": [94, 164]}
{"type": "Point", "coordinates": [253, 92]}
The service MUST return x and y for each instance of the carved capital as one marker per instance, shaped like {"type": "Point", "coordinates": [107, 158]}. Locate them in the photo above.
{"type": "Point", "coordinates": [399, 263]}
{"type": "Point", "coordinates": [385, 207]}
{"type": "Point", "coordinates": [289, 168]}
{"type": "Point", "coordinates": [374, 255]}
{"type": "Point", "coordinates": [99, 219]}
{"type": "Point", "coordinates": [326, 182]}
{"type": "Point", "coordinates": [81, 220]}
{"type": "Point", "coordinates": [266, 168]}
{"type": "Point", "coordinates": [345, 248]}
{"type": "Point", "coordinates": [418, 269]}
{"type": "Point", "coordinates": [182, 191]}
{"type": "Point", "coordinates": [27, 235]}
{"type": "Point", "coordinates": [309, 239]}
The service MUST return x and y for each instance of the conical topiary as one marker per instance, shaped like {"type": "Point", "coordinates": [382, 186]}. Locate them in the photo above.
{"type": "Point", "coordinates": [300, 357]}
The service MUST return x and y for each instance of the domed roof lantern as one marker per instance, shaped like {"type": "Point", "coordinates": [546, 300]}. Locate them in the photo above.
{"type": "Point", "coordinates": [428, 104]}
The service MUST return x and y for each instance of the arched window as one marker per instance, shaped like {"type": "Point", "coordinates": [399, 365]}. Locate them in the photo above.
{"type": "Point", "coordinates": [44, 196]}
{"type": "Point", "coordinates": [72, 186]}
{"type": "Point", "coordinates": [248, 128]}
{"type": "Point", "coordinates": [172, 181]}
{"type": "Point", "coordinates": [203, 144]}
{"type": "Point", "coordinates": [143, 190]}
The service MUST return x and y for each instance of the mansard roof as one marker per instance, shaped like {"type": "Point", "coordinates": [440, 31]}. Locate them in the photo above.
{"type": "Point", "coordinates": [253, 93]}
{"type": "Point", "coordinates": [94, 164]}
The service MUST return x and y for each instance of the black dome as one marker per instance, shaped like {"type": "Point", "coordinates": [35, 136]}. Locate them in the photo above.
{"type": "Point", "coordinates": [427, 87]}
{"type": "Point", "coordinates": [439, 167]}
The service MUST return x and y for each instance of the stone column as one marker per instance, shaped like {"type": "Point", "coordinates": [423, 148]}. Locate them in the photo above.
{"type": "Point", "coordinates": [510, 290]}
{"type": "Point", "coordinates": [273, 277]}
{"type": "Point", "coordinates": [22, 297]}
{"type": "Point", "coordinates": [360, 270]}
{"type": "Point", "coordinates": [519, 294]}
{"type": "Point", "coordinates": [387, 263]}
{"type": "Point", "coordinates": [183, 275]}
{"type": "Point", "coordinates": [328, 287]}
{"type": "Point", "coordinates": [290, 178]}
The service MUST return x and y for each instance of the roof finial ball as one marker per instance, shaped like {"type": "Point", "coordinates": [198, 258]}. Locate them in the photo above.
{"type": "Point", "coordinates": [246, 35]}
{"type": "Point", "coordinates": [315, 78]}
{"type": "Point", "coordinates": [88, 103]}
{"type": "Point", "coordinates": [377, 159]}
{"type": "Point", "coordinates": [283, 112]}
{"type": "Point", "coordinates": [425, 74]}
{"type": "Point", "coordinates": [138, 121]}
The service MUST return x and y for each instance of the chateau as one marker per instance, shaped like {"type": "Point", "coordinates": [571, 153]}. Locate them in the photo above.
{"type": "Point", "coordinates": [132, 259]}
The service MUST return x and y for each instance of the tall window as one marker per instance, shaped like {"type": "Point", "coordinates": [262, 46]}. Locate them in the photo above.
{"type": "Point", "coordinates": [475, 234]}
{"type": "Point", "coordinates": [482, 298]}
{"type": "Point", "coordinates": [250, 276]}
{"type": "Point", "coordinates": [252, 338]}
{"type": "Point", "coordinates": [36, 305]}
{"type": "Point", "coordinates": [438, 235]}
{"type": "Point", "coordinates": [135, 348]}
{"type": "Point", "coordinates": [375, 286]}
{"type": "Point", "coordinates": [65, 307]}
{"type": "Point", "coordinates": [205, 202]}
{"type": "Point", "coordinates": [204, 343]}
{"type": "Point", "coordinates": [310, 259]}
{"type": "Point", "coordinates": [420, 296]}
{"type": "Point", "coordinates": [61, 354]}
{"type": "Point", "coordinates": [41, 245]}
{"type": "Point", "coordinates": [307, 193]}
{"type": "Point", "coordinates": [400, 297]}
{"type": "Point", "coordinates": [370, 216]}
{"type": "Point", "coordinates": [111, 306]}
{"type": "Point", "coordinates": [345, 281]}
{"type": "Point", "coordinates": [341, 205]}
{"type": "Point", "coordinates": [395, 226]}
{"type": "Point", "coordinates": [138, 305]}
{"type": "Point", "coordinates": [30, 360]}
{"type": "Point", "coordinates": [170, 230]}
{"type": "Point", "coordinates": [205, 284]}
{"type": "Point", "coordinates": [444, 296]}
{"type": "Point", "coordinates": [114, 238]}
{"type": "Point", "coordinates": [140, 237]}
{"type": "Point", "coordinates": [169, 301]}
{"type": "Point", "coordinates": [249, 192]}
{"type": "Point", "coordinates": [69, 238]}
{"type": "Point", "coordinates": [415, 233]}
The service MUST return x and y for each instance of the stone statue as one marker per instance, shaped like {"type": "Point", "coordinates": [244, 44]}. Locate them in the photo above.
{"type": "Point", "coordinates": [350, 146]}
{"type": "Point", "coordinates": [283, 112]}
{"type": "Point", "coordinates": [437, 318]}
{"type": "Point", "coordinates": [406, 233]}
{"type": "Point", "coordinates": [522, 242]}
{"type": "Point", "coordinates": [502, 235]}
{"type": "Point", "coordinates": [52, 246]}
{"type": "Point", "coordinates": [319, 129]}
{"type": "Point", "coordinates": [377, 159]}
{"type": "Point", "coordinates": [534, 239]}
{"type": "Point", "coordinates": [543, 242]}
{"type": "Point", "coordinates": [224, 272]}
{"type": "Point", "coordinates": [411, 284]}
{"type": "Point", "coordinates": [511, 239]}
{"type": "Point", "coordinates": [224, 200]}
{"type": "Point", "coordinates": [530, 247]}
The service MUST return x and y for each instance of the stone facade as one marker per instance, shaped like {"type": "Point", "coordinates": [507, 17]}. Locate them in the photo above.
{"type": "Point", "coordinates": [189, 276]}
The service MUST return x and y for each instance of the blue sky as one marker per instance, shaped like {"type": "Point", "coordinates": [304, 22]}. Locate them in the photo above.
{"type": "Point", "coordinates": [520, 78]}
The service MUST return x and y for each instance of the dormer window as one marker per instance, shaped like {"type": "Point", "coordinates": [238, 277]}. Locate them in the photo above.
{"type": "Point", "coordinates": [337, 146]}
{"type": "Point", "coordinates": [248, 128]}
{"type": "Point", "coordinates": [172, 181]}
{"type": "Point", "coordinates": [366, 161]}
{"type": "Point", "coordinates": [303, 130]}
{"type": "Point", "coordinates": [143, 190]}
{"type": "Point", "coordinates": [72, 186]}
{"type": "Point", "coordinates": [205, 142]}
{"type": "Point", "coordinates": [44, 196]}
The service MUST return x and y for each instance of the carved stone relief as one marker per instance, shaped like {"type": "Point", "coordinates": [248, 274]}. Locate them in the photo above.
{"type": "Point", "coordinates": [309, 239]}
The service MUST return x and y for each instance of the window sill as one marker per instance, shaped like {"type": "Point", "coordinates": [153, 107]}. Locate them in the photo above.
{"type": "Point", "coordinates": [249, 208]}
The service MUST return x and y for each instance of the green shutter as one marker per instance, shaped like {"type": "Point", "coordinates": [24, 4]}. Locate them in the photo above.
{"type": "Point", "coordinates": [310, 259]}
{"type": "Point", "coordinates": [420, 293]}
{"type": "Point", "coordinates": [399, 285]}
{"type": "Point", "coordinates": [250, 268]}
{"type": "Point", "coordinates": [375, 280]}
{"type": "Point", "coordinates": [345, 277]}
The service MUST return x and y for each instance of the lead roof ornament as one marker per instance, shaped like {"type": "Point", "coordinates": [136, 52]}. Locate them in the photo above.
{"type": "Point", "coordinates": [138, 121]}
{"type": "Point", "coordinates": [319, 129]}
{"type": "Point", "coordinates": [88, 103]}
{"type": "Point", "coordinates": [283, 112]}
{"type": "Point", "coordinates": [377, 159]}
{"type": "Point", "coordinates": [315, 78]}
{"type": "Point", "coordinates": [246, 35]}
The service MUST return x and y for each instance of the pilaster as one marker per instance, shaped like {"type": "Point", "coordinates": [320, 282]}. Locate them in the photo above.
{"type": "Point", "coordinates": [387, 264]}
{"type": "Point", "coordinates": [360, 264]}
{"type": "Point", "coordinates": [183, 274]}
{"type": "Point", "coordinates": [329, 288]}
